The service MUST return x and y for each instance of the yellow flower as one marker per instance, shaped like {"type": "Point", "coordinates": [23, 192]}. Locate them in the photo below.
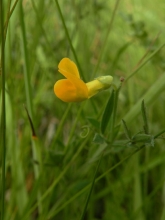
{"type": "Point", "coordinates": [73, 89]}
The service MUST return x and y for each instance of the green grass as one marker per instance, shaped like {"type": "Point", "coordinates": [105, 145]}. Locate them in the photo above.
{"type": "Point", "coordinates": [99, 159]}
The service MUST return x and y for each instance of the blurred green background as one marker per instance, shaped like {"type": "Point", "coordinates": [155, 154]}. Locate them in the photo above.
{"type": "Point", "coordinates": [49, 177]}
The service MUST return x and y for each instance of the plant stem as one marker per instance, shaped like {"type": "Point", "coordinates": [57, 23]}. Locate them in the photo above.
{"type": "Point", "coordinates": [69, 39]}
{"type": "Point", "coordinates": [3, 112]}
{"type": "Point", "coordinates": [106, 38]}
{"type": "Point", "coordinates": [92, 186]}
{"type": "Point", "coordinates": [28, 90]}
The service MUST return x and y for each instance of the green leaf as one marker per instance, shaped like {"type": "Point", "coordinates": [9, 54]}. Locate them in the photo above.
{"type": "Point", "coordinates": [107, 112]}
{"type": "Point", "coordinates": [144, 138]}
{"type": "Point", "coordinates": [98, 139]}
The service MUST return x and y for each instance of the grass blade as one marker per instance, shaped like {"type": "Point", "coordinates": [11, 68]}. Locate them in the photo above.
{"type": "Point", "coordinates": [31, 124]}
{"type": "Point", "coordinates": [145, 119]}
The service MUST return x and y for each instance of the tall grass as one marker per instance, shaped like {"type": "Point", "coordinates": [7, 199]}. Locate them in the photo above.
{"type": "Point", "coordinates": [99, 159]}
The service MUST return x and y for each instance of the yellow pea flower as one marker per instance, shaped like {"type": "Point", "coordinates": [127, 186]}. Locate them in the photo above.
{"type": "Point", "coordinates": [73, 89]}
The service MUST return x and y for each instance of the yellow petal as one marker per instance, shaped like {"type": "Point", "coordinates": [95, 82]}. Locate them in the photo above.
{"type": "Point", "coordinates": [93, 87]}
{"type": "Point", "coordinates": [70, 71]}
{"type": "Point", "coordinates": [69, 92]}
{"type": "Point", "coordinates": [68, 66]}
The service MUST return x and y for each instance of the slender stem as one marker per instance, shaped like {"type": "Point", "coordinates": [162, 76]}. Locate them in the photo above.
{"type": "Point", "coordinates": [74, 124]}
{"type": "Point", "coordinates": [26, 64]}
{"type": "Point", "coordinates": [92, 186]}
{"type": "Point", "coordinates": [114, 113]}
{"type": "Point", "coordinates": [35, 147]}
{"type": "Point", "coordinates": [160, 133]}
{"type": "Point", "coordinates": [3, 115]}
{"type": "Point", "coordinates": [150, 96]}
{"type": "Point", "coordinates": [146, 61]}
{"type": "Point", "coordinates": [106, 38]}
{"type": "Point", "coordinates": [69, 39]}
{"type": "Point", "coordinates": [61, 124]}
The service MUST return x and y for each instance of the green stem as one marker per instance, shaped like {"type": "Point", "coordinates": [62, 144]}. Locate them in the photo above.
{"type": "Point", "coordinates": [69, 39]}
{"type": "Point", "coordinates": [7, 20]}
{"type": "Point", "coordinates": [160, 133]}
{"type": "Point", "coordinates": [35, 147]}
{"type": "Point", "coordinates": [61, 124]}
{"type": "Point", "coordinates": [149, 97]}
{"type": "Point", "coordinates": [114, 112]}
{"type": "Point", "coordinates": [74, 125]}
{"type": "Point", "coordinates": [3, 113]}
{"type": "Point", "coordinates": [92, 186]}
{"type": "Point", "coordinates": [26, 64]}
{"type": "Point", "coordinates": [146, 61]}
{"type": "Point", "coordinates": [106, 38]}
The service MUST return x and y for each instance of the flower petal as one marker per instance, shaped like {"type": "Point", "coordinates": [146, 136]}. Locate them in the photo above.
{"type": "Point", "coordinates": [70, 71]}
{"type": "Point", "coordinates": [69, 66]}
{"type": "Point", "coordinates": [69, 92]}
{"type": "Point", "coordinates": [93, 87]}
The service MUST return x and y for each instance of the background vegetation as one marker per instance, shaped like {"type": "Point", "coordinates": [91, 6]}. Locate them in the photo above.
{"type": "Point", "coordinates": [51, 176]}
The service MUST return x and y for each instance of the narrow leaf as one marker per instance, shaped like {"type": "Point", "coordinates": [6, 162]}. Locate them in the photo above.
{"type": "Point", "coordinates": [98, 139]}
{"type": "Point", "coordinates": [107, 112]}
{"type": "Point", "coordinates": [31, 124]}
{"type": "Point", "coordinates": [144, 138]}
{"type": "Point", "coordinates": [145, 119]}
{"type": "Point", "coordinates": [94, 122]}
